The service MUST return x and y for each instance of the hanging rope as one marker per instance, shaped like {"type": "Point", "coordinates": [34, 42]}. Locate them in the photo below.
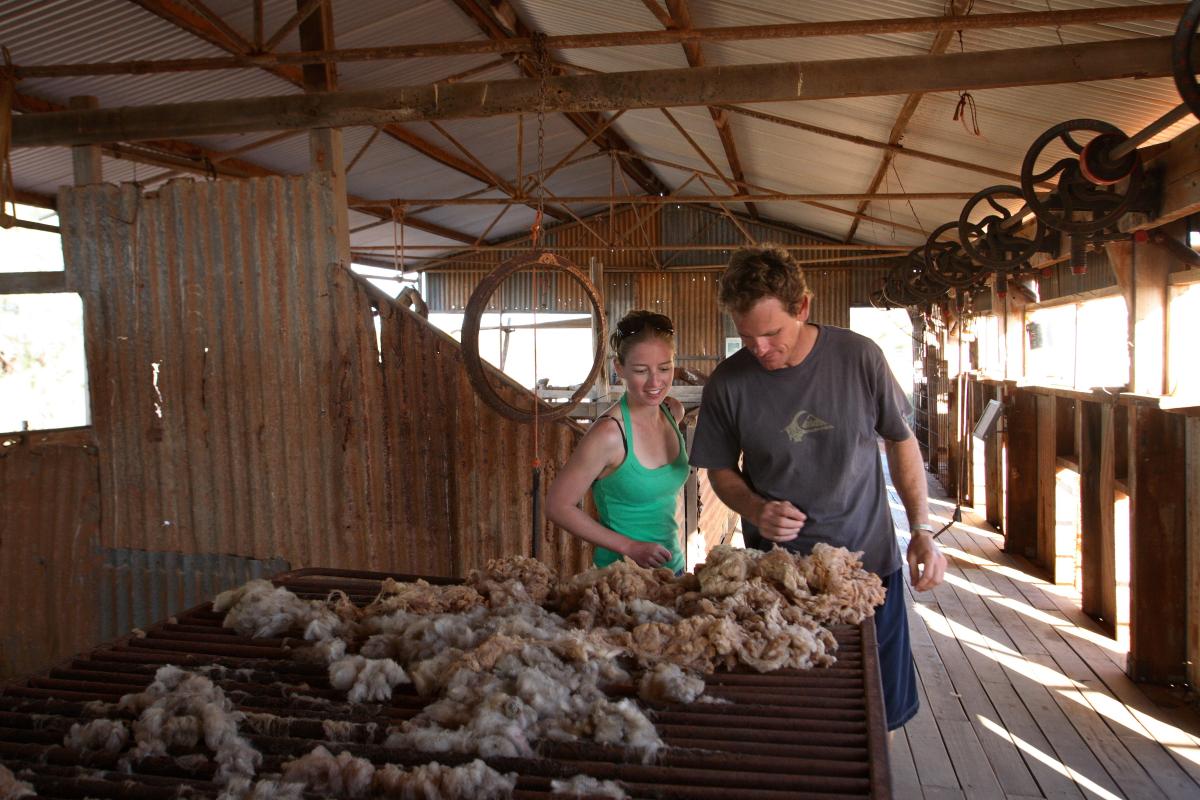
{"type": "Point", "coordinates": [541, 59]}
{"type": "Point", "coordinates": [398, 241]}
{"type": "Point", "coordinates": [8, 194]}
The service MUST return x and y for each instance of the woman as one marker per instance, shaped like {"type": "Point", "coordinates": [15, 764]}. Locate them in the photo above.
{"type": "Point", "coordinates": [633, 457]}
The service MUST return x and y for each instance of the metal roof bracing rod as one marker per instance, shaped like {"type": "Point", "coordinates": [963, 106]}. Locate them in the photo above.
{"type": "Point", "coordinates": [522, 44]}
{"type": "Point", "coordinates": [751, 83]}
{"type": "Point", "coordinates": [216, 34]}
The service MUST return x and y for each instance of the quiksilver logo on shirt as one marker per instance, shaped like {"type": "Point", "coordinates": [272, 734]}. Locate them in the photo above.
{"type": "Point", "coordinates": [803, 424]}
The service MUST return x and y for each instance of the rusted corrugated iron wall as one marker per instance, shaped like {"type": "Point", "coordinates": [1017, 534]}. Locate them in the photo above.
{"type": "Point", "coordinates": [463, 472]}
{"type": "Point", "coordinates": [717, 520]}
{"type": "Point", "coordinates": [242, 407]}
{"type": "Point", "coordinates": [214, 367]}
{"type": "Point", "coordinates": [637, 280]}
{"type": "Point", "coordinates": [1062, 281]}
{"type": "Point", "coordinates": [49, 556]}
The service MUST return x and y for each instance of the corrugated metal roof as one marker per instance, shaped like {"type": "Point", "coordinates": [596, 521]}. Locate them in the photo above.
{"type": "Point", "coordinates": [772, 156]}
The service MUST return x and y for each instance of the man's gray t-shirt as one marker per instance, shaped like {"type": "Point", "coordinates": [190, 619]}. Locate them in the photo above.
{"type": "Point", "coordinates": [807, 434]}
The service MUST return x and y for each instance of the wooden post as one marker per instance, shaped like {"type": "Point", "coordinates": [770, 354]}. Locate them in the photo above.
{"type": "Point", "coordinates": [1014, 334]}
{"type": "Point", "coordinates": [933, 390]}
{"type": "Point", "coordinates": [953, 443]}
{"type": "Point", "coordinates": [325, 146]}
{"type": "Point", "coordinates": [691, 490]}
{"type": "Point", "coordinates": [1096, 499]}
{"type": "Point", "coordinates": [86, 157]}
{"type": "Point", "coordinates": [1141, 270]}
{"type": "Point", "coordinates": [993, 472]}
{"type": "Point", "coordinates": [1192, 426]}
{"type": "Point", "coordinates": [1158, 625]}
{"type": "Point", "coordinates": [1047, 470]}
{"type": "Point", "coordinates": [1021, 499]}
{"type": "Point", "coordinates": [596, 276]}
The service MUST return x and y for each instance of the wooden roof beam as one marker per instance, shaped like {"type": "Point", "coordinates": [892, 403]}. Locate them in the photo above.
{"type": "Point", "coordinates": [587, 121]}
{"type": "Point", "coordinates": [940, 42]}
{"type": "Point", "coordinates": [681, 18]}
{"type": "Point", "coordinates": [667, 199]}
{"type": "Point", "coordinates": [520, 44]}
{"type": "Point", "coordinates": [197, 160]}
{"type": "Point", "coordinates": [747, 83]}
{"type": "Point", "coordinates": [185, 18]}
{"type": "Point", "coordinates": [895, 149]}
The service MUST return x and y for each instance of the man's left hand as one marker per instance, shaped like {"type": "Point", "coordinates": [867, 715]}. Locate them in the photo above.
{"type": "Point", "coordinates": [926, 564]}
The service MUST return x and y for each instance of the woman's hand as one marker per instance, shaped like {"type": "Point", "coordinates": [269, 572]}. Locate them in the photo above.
{"type": "Point", "coordinates": [648, 554]}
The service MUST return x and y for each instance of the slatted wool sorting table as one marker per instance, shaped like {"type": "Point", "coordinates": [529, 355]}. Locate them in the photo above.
{"type": "Point", "coordinates": [818, 733]}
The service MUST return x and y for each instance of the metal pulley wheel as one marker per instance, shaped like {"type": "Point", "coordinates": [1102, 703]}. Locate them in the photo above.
{"type": "Point", "coordinates": [477, 372]}
{"type": "Point", "coordinates": [994, 239]}
{"type": "Point", "coordinates": [897, 285]}
{"type": "Point", "coordinates": [946, 261]}
{"type": "Point", "coordinates": [1182, 66]}
{"type": "Point", "coordinates": [1075, 193]}
{"type": "Point", "coordinates": [919, 280]}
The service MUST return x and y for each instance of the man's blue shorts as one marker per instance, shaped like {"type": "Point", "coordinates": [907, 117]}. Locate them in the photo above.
{"type": "Point", "coordinates": [895, 654]}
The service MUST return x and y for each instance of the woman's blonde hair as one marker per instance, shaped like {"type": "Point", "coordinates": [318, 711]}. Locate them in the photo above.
{"type": "Point", "coordinates": [639, 326]}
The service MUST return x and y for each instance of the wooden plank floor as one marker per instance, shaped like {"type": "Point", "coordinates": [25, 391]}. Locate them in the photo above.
{"type": "Point", "coordinates": [1022, 696]}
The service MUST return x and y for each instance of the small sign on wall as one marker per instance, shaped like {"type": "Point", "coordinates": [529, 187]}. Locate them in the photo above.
{"type": "Point", "coordinates": [732, 345]}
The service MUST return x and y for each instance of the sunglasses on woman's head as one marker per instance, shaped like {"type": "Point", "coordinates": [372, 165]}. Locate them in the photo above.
{"type": "Point", "coordinates": [660, 322]}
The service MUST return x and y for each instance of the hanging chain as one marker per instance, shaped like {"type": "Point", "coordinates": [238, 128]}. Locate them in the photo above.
{"type": "Point", "coordinates": [541, 62]}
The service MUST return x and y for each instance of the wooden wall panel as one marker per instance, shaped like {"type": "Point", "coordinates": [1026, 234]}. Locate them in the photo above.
{"type": "Point", "coordinates": [1046, 486]}
{"type": "Point", "coordinates": [1097, 507]}
{"type": "Point", "coordinates": [1021, 500]}
{"type": "Point", "coordinates": [1158, 626]}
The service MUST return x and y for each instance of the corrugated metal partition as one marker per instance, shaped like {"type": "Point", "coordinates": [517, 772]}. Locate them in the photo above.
{"type": "Point", "coordinates": [246, 419]}
{"type": "Point", "coordinates": [49, 561]}
{"type": "Point", "coordinates": [690, 300]}
{"type": "Point", "coordinates": [463, 473]}
{"type": "Point", "coordinates": [1061, 281]}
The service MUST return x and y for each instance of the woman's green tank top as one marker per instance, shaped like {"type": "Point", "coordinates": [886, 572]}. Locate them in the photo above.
{"type": "Point", "coordinates": [640, 503]}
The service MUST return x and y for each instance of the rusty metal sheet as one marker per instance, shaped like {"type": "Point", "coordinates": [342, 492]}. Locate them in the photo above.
{"type": "Point", "coordinates": [717, 521]}
{"type": "Point", "coordinates": [49, 531]}
{"type": "Point", "coordinates": [1062, 282]}
{"type": "Point", "coordinates": [449, 286]}
{"type": "Point", "coordinates": [137, 587]}
{"type": "Point", "coordinates": [242, 404]}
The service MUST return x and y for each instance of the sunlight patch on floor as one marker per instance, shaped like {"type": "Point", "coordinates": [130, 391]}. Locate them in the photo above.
{"type": "Point", "coordinates": [1050, 761]}
{"type": "Point", "coordinates": [1063, 624]}
{"type": "Point", "coordinates": [1002, 654]}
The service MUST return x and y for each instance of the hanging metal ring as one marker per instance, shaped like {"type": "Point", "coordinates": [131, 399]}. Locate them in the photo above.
{"type": "Point", "coordinates": [477, 371]}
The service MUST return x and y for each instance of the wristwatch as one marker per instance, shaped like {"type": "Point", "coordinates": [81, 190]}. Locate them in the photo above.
{"type": "Point", "coordinates": [920, 526]}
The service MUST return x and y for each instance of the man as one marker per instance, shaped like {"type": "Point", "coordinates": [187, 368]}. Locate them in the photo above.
{"type": "Point", "coordinates": [803, 405]}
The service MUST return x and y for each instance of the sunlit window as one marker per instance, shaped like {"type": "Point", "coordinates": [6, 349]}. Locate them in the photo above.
{"type": "Point", "coordinates": [989, 336]}
{"type": "Point", "coordinates": [1183, 330]}
{"type": "Point", "coordinates": [1050, 345]}
{"type": "Point", "coordinates": [1103, 337]}
{"type": "Point", "coordinates": [43, 375]}
{"type": "Point", "coordinates": [1082, 345]}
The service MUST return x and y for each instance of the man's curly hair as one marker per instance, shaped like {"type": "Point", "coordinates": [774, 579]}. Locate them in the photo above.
{"type": "Point", "coordinates": [757, 272]}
